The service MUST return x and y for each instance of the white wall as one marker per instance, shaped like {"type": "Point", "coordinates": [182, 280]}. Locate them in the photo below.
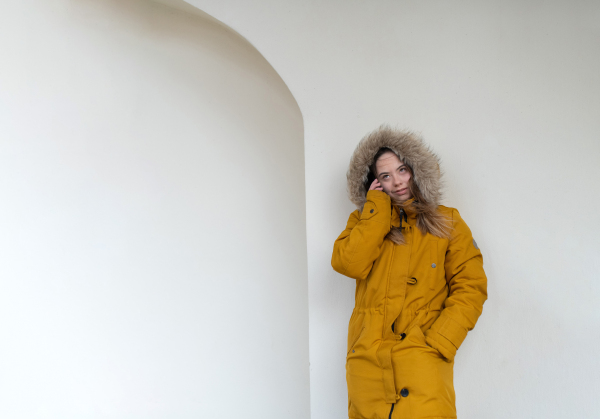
{"type": "Point", "coordinates": [507, 93]}
{"type": "Point", "coordinates": [152, 220]}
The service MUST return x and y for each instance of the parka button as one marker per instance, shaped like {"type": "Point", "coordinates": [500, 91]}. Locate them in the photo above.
{"type": "Point", "coordinates": [372, 210]}
{"type": "Point", "coordinates": [404, 392]}
{"type": "Point", "coordinates": [402, 336]}
{"type": "Point", "coordinates": [352, 350]}
{"type": "Point", "coordinates": [433, 265]}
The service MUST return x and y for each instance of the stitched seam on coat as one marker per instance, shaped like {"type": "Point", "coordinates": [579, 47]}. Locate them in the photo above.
{"type": "Point", "coordinates": [421, 417]}
{"type": "Point", "coordinates": [353, 253]}
{"type": "Point", "coordinates": [445, 332]}
{"type": "Point", "coordinates": [449, 242]}
{"type": "Point", "coordinates": [384, 313]}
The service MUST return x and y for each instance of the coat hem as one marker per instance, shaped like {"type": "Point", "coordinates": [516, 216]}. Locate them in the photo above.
{"type": "Point", "coordinates": [420, 417]}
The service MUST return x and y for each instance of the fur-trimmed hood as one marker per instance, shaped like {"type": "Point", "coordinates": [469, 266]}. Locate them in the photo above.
{"type": "Point", "coordinates": [410, 148]}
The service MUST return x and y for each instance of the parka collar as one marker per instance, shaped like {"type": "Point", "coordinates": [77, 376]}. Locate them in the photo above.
{"type": "Point", "coordinates": [409, 217]}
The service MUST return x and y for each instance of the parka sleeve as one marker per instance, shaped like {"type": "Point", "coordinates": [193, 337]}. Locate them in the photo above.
{"type": "Point", "coordinates": [360, 244]}
{"type": "Point", "coordinates": [467, 291]}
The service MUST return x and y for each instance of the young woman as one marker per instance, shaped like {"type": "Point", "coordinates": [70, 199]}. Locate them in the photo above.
{"type": "Point", "coordinates": [420, 284]}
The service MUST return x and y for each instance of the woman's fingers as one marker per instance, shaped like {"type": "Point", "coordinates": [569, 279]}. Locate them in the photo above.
{"type": "Point", "coordinates": [375, 185]}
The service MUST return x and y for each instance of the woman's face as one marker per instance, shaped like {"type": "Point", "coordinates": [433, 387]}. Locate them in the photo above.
{"type": "Point", "coordinates": [393, 176]}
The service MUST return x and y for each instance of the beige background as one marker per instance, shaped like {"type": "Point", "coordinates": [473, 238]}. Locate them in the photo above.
{"type": "Point", "coordinates": [117, 119]}
{"type": "Point", "coordinates": [507, 93]}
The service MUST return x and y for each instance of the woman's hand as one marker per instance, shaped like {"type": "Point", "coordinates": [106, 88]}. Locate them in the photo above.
{"type": "Point", "coordinates": [376, 186]}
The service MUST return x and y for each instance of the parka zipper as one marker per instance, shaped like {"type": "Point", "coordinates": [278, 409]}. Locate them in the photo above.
{"type": "Point", "coordinates": [402, 214]}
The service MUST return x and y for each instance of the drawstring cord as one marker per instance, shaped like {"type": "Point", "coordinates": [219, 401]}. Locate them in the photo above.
{"type": "Point", "coordinates": [403, 214]}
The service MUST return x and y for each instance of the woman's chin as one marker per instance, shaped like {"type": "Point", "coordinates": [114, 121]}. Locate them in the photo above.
{"type": "Point", "coordinates": [399, 198]}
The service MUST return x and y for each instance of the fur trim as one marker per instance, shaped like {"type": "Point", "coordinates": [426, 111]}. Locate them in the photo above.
{"type": "Point", "coordinates": [411, 149]}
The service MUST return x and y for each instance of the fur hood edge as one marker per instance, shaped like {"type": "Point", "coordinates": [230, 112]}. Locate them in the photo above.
{"type": "Point", "coordinates": [410, 148]}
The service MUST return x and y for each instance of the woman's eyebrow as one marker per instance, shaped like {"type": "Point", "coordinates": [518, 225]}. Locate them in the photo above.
{"type": "Point", "coordinates": [387, 173]}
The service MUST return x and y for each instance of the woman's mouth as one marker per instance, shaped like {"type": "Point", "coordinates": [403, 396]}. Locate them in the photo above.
{"type": "Point", "coordinates": [402, 191]}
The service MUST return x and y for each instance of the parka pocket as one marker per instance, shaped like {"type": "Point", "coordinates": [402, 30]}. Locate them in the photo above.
{"type": "Point", "coordinates": [369, 210]}
{"type": "Point", "coordinates": [354, 340]}
{"type": "Point", "coordinates": [425, 377]}
{"type": "Point", "coordinates": [356, 326]}
{"type": "Point", "coordinates": [421, 337]}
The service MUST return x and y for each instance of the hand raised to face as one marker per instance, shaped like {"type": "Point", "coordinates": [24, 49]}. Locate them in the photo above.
{"type": "Point", "coordinates": [376, 186]}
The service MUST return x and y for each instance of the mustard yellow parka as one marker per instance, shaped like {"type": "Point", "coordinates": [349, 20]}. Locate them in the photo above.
{"type": "Point", "coordinates": [415, 302]}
